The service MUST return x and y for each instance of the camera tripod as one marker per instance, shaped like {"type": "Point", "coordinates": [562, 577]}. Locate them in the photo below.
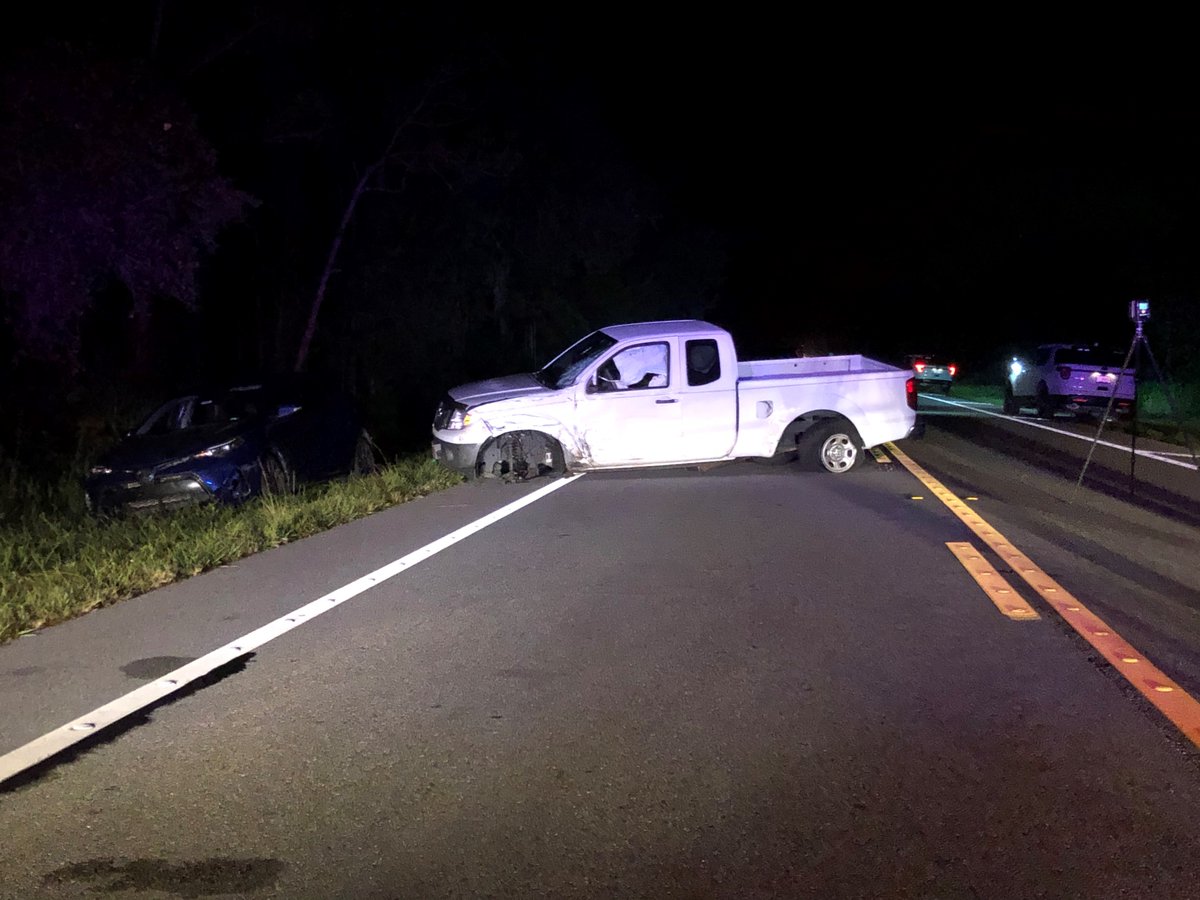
{"type": "Point", "coordinates": [1139, 311]}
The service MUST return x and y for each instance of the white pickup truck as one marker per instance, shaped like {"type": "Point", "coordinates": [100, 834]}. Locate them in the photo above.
{"type": "Point", "coordinates": [672, 393]}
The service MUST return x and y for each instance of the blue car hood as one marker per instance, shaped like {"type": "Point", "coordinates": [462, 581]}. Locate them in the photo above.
{"type": "Point", "coordinates": [146, 451]}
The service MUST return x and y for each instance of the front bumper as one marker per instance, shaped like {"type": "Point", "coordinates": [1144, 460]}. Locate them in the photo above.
{"type": "Point", "coordinates": [943, 382]}
{"type": "Point", "coordinates": [460, 458]}
{"type": "Point", "coordinates": [129, 491]}
{"type": "Point", "coordinates": [115, 497]}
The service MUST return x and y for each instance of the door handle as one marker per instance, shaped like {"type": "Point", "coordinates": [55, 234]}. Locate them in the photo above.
{"type": "Point", "coordinates": [667, 400]}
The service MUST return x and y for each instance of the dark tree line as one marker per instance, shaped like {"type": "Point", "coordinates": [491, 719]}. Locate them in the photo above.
{"type": "Point", "coordinates": [290, 193]}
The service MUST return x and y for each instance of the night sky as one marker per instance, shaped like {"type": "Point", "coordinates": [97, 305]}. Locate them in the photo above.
{"type": "Point", "coordinates": [864, 185]}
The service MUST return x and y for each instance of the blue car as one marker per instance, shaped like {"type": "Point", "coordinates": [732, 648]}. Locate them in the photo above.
{"type": "Point", "coordinates": [230, 445]}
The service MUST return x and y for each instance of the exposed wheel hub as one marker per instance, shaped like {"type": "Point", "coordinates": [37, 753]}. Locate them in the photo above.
{"type": "Point", "coordinates": [838, 453]}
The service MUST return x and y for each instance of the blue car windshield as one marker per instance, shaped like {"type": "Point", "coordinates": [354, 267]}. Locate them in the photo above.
{"type": "Point", "coordinates": [565, 368]}
{"type": "Point", "coordinates": [202, 412]}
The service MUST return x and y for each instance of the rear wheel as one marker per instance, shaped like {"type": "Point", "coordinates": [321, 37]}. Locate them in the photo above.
{"type": "Point", "coordinates": [1011, 406]}
{"type": "Point", "coordinates": [832, 445]}
{"type": "Point", "coordinates": [1045, 408]}
{"type": "Point", "coordinates": [364, 456]}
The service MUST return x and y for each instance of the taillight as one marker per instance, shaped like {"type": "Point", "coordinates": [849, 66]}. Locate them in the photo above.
{"type": "Point", "coordinates": [1064, 372]}
{"type": "Point", "coordinates": [952, 369]}
{"type": "Point", "coordinates": [920, 367]}
{"type": "Point", "coordinates": [910, 393]}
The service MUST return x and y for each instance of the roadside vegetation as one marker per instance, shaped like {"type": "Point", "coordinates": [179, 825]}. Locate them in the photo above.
{"type": "Point", "coordinates": [1155, 418]}
{"type": "Point", "coordinates": [57, 563]}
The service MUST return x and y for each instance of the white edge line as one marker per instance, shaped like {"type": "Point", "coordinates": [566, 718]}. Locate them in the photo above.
{"type": "Point", "coordinates": [53, 742]}
{"type": "Point", "coordinates": [1148, 454]}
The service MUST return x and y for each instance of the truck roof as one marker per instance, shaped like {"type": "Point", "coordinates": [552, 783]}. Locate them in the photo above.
{"type": "Point", "coordinates": [657, 329]}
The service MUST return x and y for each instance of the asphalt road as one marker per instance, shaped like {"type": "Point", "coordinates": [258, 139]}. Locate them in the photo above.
{"type": "Point", "coordinates": [742, 682]}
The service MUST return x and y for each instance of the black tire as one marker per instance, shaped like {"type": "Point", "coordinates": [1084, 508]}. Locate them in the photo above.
{"type": "Point", "coordinates": [1011, 406]}
{"type": "Point", "coordinates": [364, 462]}
{"type": "Point", "coordinates": [1045, 408]}
{"type": "Point", "coordinates": [832, 445]}
{"type": "Point", "coordinates": [276, 477]}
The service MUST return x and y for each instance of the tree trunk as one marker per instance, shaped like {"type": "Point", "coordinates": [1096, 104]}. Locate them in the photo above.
{"type": "Point", "coordinates": [388, 155]}
{"type": "Point", "coordinates": [330, 263]}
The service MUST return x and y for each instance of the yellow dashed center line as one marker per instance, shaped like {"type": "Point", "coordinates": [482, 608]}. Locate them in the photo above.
{"type": "Point", "coordinates": [1168, 697]}
{"type": "Point", "coordinates": [998, 590]}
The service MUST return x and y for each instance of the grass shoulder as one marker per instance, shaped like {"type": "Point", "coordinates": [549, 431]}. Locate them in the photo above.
{"type": "Point", "coordinates": [53, 568]}
{"type": "Point", "coordinates": [977, 393]}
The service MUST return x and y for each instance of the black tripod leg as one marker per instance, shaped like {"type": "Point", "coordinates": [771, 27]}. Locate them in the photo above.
{"type": "Point", "coordinates": [1107, 412]}
{"type": "Point", "coordinates": [1137, 367]}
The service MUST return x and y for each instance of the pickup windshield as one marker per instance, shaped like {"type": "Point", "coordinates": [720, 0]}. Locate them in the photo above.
{"type": "Point", "coordinates": [565, 368]}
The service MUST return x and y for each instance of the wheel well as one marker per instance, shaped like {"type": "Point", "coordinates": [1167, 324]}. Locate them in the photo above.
{"type": "Point", "coordinates": [805, 423]}
{"type": "Point", "coordinates": [519, 455]}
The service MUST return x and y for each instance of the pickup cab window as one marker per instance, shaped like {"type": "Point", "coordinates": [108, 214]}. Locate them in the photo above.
{"type": "Point", "coordinates": [636, 368]}
{"type": "Point", "coordinates": [703, 362]}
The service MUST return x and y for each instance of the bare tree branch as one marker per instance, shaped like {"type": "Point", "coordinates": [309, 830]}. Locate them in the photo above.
{"type": "Point", "coordinates": [389, 155]}
{"type": "Point", "coordinates": [156, 30]}
{"type": "Point", "coordinates": [219, 50]}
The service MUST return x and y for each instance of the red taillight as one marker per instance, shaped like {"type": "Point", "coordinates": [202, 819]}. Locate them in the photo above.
{"type": "Point", "coordinates": [919, 366]}
{"type": "Point", "coordinates": [910, 393]}
{"type": "Point", "coordinates": [1064, 372]}
{"type": "Point", "coordinates": [952, 369]}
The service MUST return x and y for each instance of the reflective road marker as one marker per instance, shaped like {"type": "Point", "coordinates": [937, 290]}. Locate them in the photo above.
{"type": "Point", "coordinates": [998, 590]}
{"type": "Point", "coordinates": [46, 746]}
{"type": "Point", "coordinates": [1168, 697]}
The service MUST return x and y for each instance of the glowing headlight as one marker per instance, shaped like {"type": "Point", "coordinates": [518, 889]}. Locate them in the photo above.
{"type": "Point", "coordinates": [1016, 368]}
{"type": "Point", "coordinates": [221, 449]}
{"type": "Point", "coordinates": [460, 418]}
{"type": "Point", "coordinates": [101, 470]}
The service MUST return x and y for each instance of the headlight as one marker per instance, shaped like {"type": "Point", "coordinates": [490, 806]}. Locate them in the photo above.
{"type": "Point", "coordinates": [101, 470]}
{"type": "Point", "coordinates": [459, 418]}
{"type": "Point", "coordinates": [221, 449]}
{"type": "Point", "coordinates": [1016, 368]}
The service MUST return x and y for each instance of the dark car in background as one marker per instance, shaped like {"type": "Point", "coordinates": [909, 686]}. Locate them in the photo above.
{"type": "Point", "coordinates": [231, 444]}
{"type": "Point", "coordinates": [930, 372]}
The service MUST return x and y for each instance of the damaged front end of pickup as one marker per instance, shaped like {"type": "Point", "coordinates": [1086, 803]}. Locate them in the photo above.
{"type": "Point", "coordinates": [510, 451]}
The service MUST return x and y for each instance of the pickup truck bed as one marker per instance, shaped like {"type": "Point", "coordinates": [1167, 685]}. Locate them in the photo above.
{"type": "Point", "coordinates": [811, 365]}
